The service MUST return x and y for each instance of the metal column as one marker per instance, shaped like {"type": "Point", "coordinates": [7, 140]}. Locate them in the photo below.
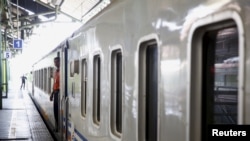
{"type": "Point", "coordinates": [1, 104]}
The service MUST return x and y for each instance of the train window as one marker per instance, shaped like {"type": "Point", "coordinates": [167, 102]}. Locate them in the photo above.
{"type": "Point", "coordinates": [45, 80]}
{"type": "Point", "coordinates": [50, 79]}
{"type": "Point", "coordinates": [116, 92]}
{"type": "Point", "coordinates": [71, 68]}
{"type": "Point", "coordinates": [96, 89]}
{"type": "Point", "coordinates": [148, 91]}
{"type": "Point", "coordinates": [51, 72]}
{"type": "Point", "coordinates": [84, 85]}
{"type": "Point", "coordinates": [214, 77]}
{"type": "Point", "coordinates": [220, 77]}
{"type": "Point", "coordinates": [36, 78]}
{"type": "Point", "coordinates": [74, 67]}
{"type": "Point", "coordinates": [42, 79]}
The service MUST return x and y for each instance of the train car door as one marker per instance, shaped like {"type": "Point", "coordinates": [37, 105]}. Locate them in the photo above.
{"type": "Point", "coordinates": [64, 98]}
{"type": "Point", "coordinates": [72, 82]}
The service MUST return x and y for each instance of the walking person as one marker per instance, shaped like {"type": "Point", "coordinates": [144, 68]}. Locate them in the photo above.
{"type": "Point", "coordinates": [23, 79]}
{"type": "Point", "coordinates": [55, 92]}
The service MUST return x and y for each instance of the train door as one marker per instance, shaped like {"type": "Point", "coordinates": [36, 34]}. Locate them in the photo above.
{"type": "Point", "coordinates": [73, 84]}
{"type": "Point", "coordinates": [64, 94]}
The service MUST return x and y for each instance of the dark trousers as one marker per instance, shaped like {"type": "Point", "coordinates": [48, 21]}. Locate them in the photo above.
{"type": "Point", "coordinates": [56, 107]}
{"type": "Point", "coordinates": [23, 85]}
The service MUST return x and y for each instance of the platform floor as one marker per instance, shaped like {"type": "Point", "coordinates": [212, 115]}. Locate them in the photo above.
{"type": "Point", "coordinates": [19, 118]}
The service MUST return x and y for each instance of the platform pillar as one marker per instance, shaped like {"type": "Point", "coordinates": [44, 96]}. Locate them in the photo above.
{"type": "Point", "coordinates": [1, 90]}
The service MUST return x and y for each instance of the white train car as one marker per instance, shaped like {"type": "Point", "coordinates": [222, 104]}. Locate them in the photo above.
{"type": "Point", "coordinates": [146, 70]}
{"type": "Point", "coordinates": [41, 84]}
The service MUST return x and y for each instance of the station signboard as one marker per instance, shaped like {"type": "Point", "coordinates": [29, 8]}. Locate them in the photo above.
{"type": "Point", "coordinates": [7, 54]}
{"type": "Point", "coordinates": [17, 43]}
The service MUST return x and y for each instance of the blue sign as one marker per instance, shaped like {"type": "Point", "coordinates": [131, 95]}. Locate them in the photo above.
{"type": "Point", "coordinates": [18, 44]}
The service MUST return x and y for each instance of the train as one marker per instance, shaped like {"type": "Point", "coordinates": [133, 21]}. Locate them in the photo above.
{"type": "Point", "coordinates": [150, 70]}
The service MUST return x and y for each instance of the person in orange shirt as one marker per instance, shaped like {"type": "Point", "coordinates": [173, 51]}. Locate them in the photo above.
{"type": "Point", "coordinates": [56, 89]}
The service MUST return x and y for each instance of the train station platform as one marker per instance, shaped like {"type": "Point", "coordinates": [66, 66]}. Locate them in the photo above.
{"type": "Point", "coordinates": [20, 119]}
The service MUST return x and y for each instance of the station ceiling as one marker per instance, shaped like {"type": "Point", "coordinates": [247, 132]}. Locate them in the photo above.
{"type": "Point", "coordinates": [19, 17]}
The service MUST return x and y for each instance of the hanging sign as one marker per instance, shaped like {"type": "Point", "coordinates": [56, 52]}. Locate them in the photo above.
{"type": "Point", "coordinates": [7, 54]}
{"type": "Point", "coordinates": [17, 44]}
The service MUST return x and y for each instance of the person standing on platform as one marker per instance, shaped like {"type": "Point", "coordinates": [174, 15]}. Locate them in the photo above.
{"type": "Point", "coordinates": [55, 92]}
{"type": "Point", "coordinates": [23, 79]}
